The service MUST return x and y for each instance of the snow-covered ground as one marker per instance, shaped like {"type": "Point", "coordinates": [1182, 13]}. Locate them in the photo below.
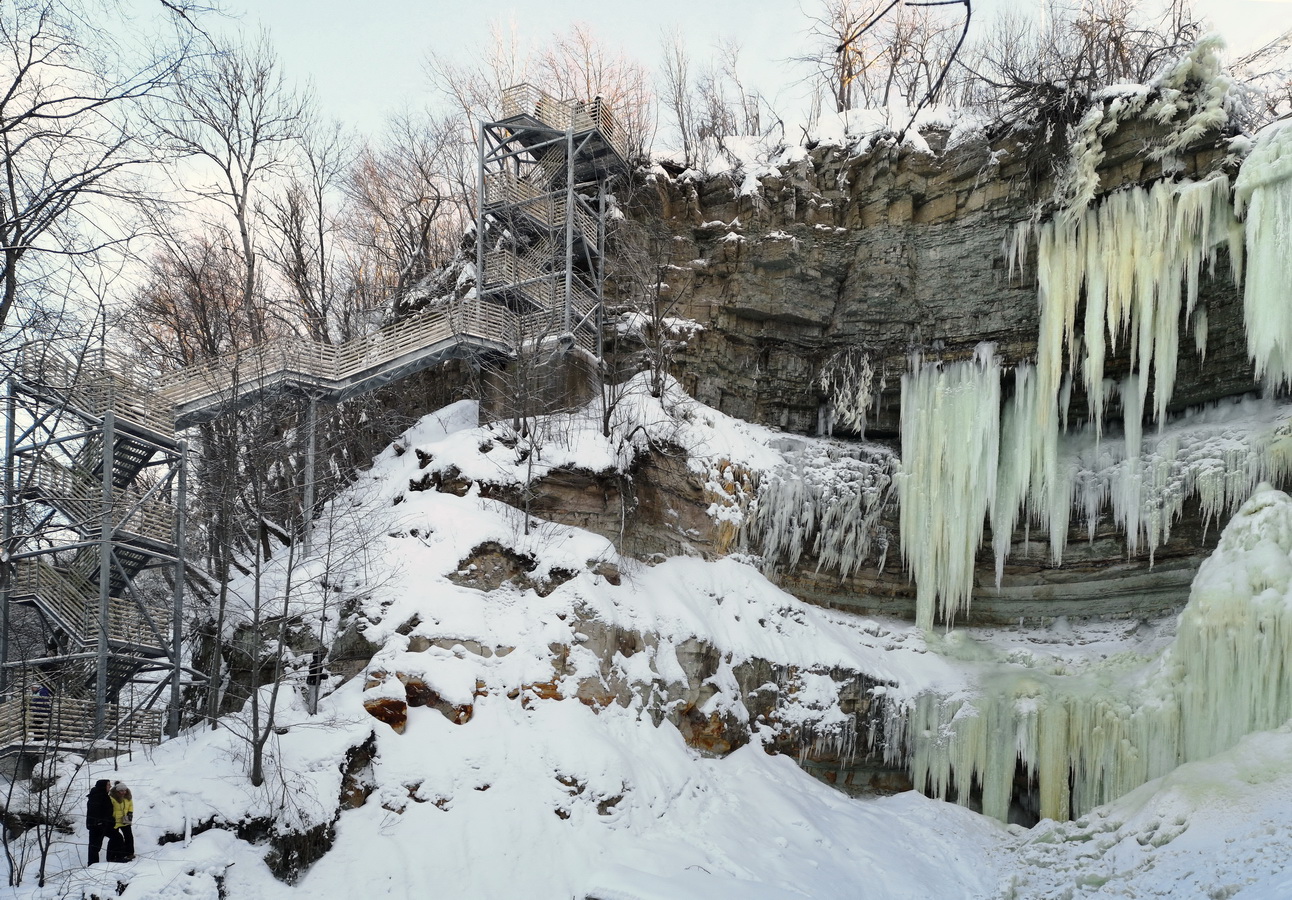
{"type": "Point", "coordinates": [542, 795]}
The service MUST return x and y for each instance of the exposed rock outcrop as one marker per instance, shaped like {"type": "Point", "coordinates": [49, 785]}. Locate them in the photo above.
{"type": "Point", "coordinates": [836, 730]}
{"type": "Point", "coordinates": [890, 250]}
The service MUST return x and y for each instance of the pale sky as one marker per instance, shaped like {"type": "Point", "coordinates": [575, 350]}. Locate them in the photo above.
{"type": "Point", "coordinates": [365, 65]}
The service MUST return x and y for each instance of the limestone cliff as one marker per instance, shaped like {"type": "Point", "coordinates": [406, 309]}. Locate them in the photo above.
{"type": "Point", "coordinates": [892, 250]}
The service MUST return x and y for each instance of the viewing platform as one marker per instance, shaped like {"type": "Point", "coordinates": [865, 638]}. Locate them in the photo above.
{"type": "Point", "coordinates": [537, 120]}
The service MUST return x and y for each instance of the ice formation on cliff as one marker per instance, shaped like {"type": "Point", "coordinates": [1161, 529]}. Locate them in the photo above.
{"type": "Point", "coordinates": [950, 441]}
{"type": "Point", "coordinates": [1194, 93]}
{"type": "Point", "coordinates": [847, 378]}
{"type": "Point", "coordinates": [1113, 727]}
{"type": "Point", "coordinates": [1264, 191]}
{"type": "Point", "coordinates": [1135, 259]}
{"type": "Point", "coordinates": [826, 498]}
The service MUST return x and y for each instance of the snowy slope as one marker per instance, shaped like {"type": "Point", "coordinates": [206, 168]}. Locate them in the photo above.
{"type": "Point", "coordinates": [540, 794]}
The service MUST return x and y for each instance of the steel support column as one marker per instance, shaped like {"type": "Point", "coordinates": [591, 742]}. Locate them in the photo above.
{"type": "Point", "coordinates": [177, 590]}
{"type": "Point", "coordinates": [569, 227]}
{"type": "Point", "coordinates": [105, 575]}
{"type": "Point", "coordinates": [6, 531]}
{"type": "Point", "coordinates": [307, 500]}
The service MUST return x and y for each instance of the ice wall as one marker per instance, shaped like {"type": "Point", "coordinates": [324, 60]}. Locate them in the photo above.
{"type": "Point", "coordinates": [1126, 720]}
{"type": "Point", "coordinates": [1115, 275]}
{"type": "Point", "coordinates": [1123, 272]}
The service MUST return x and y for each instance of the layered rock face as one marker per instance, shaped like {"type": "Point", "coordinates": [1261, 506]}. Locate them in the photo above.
{"type": "Point", "coordinates": [892, 251]}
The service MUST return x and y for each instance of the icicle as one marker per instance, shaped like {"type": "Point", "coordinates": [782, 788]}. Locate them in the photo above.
{"type": "Point", "coordinates": [1264, 189]}
{"type": "Point", "coordinates": [1135, 259]}
{"type": "Point", "coordinates": [950, 449]}
{"type": "Point", "coordinates": [1138, 256]}
{"type": "Point", "coordinates": [1014, 469]}
{"type": "Point", "coordinates": [1127, 501]}
{"type": "Point", "coordinates": [828, 503]}
{"type": "Point", "coordinates": [847, 378]}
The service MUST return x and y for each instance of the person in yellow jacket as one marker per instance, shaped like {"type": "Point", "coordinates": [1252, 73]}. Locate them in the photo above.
{"type": "Point", "coordinates": [121, 840]}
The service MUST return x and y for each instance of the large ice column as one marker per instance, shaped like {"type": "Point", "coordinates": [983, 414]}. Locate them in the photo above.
{"type": "Point", "coordinates": [1232, 660]}
{"type": "Point", "coordinates": [1264, 190]}
{"type": "Point", "coordinates": [950, 448]}
{"type": "Point", "coordinates": [1092, 737]}
{"type": "Point", "coordinates": [1035, 476]}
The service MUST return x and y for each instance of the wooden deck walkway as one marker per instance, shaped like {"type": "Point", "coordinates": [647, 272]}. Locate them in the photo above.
{"type": "Point", "coordinates": [335, 372]}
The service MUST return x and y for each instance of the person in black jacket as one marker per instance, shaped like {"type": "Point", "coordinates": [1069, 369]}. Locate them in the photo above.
{"type": "Point", "coordinates": [98, 817]}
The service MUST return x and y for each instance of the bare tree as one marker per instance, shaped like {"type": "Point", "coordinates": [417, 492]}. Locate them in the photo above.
{"type": "Point", "coordinates": [1045, 69]}
{"type": "Point", "coordinates": [869, 53]}
{"type": "Point", "coordinates": [649, 288]}
{"type": "Point", "coordinates": [238, 123]}
{"type": "Point", "coordinates": [303, 222]}
{"type": "Point", "coordinates": [710, 104]}
{"type": "Point", "coordinates": [71, 135]}
{"type": "Point", "coordinates": [475, 90]}
{"type": "Point", "coordinates": [677, 94]}
{"type": "Point", "coordinates": [187, 309]}
{"type": "Point", "coordinates": [578, 65]}
{"type": "Point", "coordinates": [408, 201]}
{"type": "Point", "coordinates": [35, 812]}
{"type": "Point", "coordinates": [1266, 69]}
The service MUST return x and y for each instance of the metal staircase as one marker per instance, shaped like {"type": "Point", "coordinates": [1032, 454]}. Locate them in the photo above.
{"type": "Point", "coordinates": [93, 490]}
{"type": "Point", "coordinates": [94, 477]}
{"type": "Point", "coordinates": [544, 168]}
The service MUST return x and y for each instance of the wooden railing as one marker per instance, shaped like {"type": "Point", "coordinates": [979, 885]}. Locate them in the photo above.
{"type": "Point", "coordinates": [549, 168]}
{"type": "Point", "coordinates": [72, 599]}
{"type": "Point", "coordinates": [509, 188]}
{"type": "Point", "coordinates": [584, 224]}
{"type": "Point", "coordinates": [62, 594]}
{"type": "Point", "coordinates": [31, 720]}
{"type": "Point", "coordinates": [503, 266]}
{"type": "Point", "coordinates": [12, 724]}
{"type": "Point", "coordinates": [547, 211]}
{"type": "Point", "coordinates": [93, 386]}
{"type": "Point", "coordinates": [328, 365]}
{"type": "Point", "coordinates": [79, 496]}
{"type": "Point", "coordinates": [286, 361]}
{"type": "Point", "coordinates": [560, 115]}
